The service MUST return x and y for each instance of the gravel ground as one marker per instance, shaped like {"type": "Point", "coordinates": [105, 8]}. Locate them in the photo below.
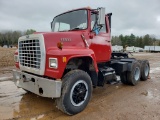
{"type": "Point", "coordinates": [111, 102]}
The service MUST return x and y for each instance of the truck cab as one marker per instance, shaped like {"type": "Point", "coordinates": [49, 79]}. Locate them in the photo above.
{"type": "Point", "coordinates": [72, 59]}
{"type": "Point", "coordinates": [85, 21]}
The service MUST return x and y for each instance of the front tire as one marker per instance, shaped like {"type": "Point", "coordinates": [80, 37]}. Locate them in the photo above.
{"type": "Point", "coordinates": [76, 92]}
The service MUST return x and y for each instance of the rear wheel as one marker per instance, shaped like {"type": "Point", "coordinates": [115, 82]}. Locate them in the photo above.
{"type": "Point", "coordinates": [145, 68]}
{"type": "Point", "coordinates": [76, 92]}
{"type": "Point", "coordinates": [123, 77]}
{"type": "Point", "coordinates": [134, 75]}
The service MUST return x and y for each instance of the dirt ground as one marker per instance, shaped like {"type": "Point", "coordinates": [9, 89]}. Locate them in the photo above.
{"type": "Point", "coordinates": [7, 56]}
{"type": "Point", "coordinates": [112, 102]}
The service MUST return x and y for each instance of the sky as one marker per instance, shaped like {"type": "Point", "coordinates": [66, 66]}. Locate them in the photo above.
{"type": "Point", "coordinates": [139, 17]}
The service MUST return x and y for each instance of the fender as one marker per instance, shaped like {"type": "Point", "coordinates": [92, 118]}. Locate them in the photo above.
{"type": "Point", "coordinates": [68, 53]}
{"type": "Point", "coordinates": [130, 62]}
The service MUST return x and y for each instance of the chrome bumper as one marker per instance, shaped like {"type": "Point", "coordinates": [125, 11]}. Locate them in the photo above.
{"type": "Point", "coordinates": [38, 85]}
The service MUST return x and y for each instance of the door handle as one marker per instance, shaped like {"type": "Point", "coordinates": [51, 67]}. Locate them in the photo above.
{"type": "Point", "coordinates": [108, 40]}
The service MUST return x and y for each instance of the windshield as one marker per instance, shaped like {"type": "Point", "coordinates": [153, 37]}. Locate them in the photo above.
{"type": "Point", "coordinates": [75, 20]}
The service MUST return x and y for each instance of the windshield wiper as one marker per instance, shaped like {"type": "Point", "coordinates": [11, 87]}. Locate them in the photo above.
{"type": "Point", "coordinates": [63, 30]}
{"type": "Point", "coordinates": [76, 28]}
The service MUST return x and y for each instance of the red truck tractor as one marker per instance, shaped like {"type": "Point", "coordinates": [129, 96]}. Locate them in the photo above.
{"type": "Point", "coordinates": [67, 63]}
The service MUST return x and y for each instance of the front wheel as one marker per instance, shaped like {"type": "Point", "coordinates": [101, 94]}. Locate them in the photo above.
{"type": "Point", "coordinates": [76, 92]}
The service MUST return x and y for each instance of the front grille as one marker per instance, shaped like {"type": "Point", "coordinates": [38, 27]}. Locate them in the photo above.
{"type": "Point", "coordinates": [29, 53]}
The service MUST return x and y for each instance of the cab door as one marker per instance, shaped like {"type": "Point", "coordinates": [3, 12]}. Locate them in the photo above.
{"type": "Point", "coordinates": [101, 43]}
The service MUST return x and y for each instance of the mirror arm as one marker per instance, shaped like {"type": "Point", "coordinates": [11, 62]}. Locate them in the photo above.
{"type": "Point", "coordinates": [51, 25]}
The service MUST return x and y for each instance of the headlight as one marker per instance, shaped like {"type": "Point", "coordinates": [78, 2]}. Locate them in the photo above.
{"type": "Point", "coordinates": [53, 63]}
{"type": "Point", "coordinates": [16, 58]}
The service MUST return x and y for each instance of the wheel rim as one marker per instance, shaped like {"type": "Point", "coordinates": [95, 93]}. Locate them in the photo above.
{"type": "Point", "coordinates": [137, 73]}
{"type": "Point", "coordinates": [146, 70]}
{"type": "Point", "coordinates": [79, 93]}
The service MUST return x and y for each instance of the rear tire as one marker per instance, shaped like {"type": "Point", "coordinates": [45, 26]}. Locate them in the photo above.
{"type": "Point", "coordinates": [133, 76]}
{"type": "Point", "coordinates": [123, 77]}
{"type": "Point", "coordinates": [145, 68]}
{"type": "Point", "coordinates": [76, 92]}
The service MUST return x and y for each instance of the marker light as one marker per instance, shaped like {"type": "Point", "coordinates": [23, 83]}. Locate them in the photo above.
{"type": "Point", "coordinates": [60, 45]}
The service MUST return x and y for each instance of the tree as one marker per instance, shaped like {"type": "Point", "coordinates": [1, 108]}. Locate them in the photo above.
{"type": "Point", "coordinates": [30, 31]}
{"type": "Point", "coordinates": [127, 39]}
{"type": "Point", "coordinates": [11, 37]}
{"type": "Point", "coordinates": [121, 37]}
{"type": "Point", "coordinates": [16, 35]}
{"type": "Point", "coordinates": [0, 39]}
{"type": "Point", "coordinates": [8, 38]}
{"type": "Point", "coordinates": [116, 41]}
{"type": "Point", "coordinates": [132, 40]}
{"type": "Point", "coordinates": [136, 41]}
{"type": "Point", "coordinates": [146, 40]}
{"type": "Point", "coordinates": [140, 43]}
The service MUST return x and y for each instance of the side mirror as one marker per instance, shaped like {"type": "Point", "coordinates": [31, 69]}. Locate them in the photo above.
{"type": "Point", "coordinates": [101, 17]}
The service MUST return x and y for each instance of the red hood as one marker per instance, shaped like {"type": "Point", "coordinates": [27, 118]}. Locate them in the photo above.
{"type": "Point", "coordinates": [69, 39]}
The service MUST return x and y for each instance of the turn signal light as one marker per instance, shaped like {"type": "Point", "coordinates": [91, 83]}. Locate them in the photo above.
{"type": "Point", "coordinates": [64, 59]}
